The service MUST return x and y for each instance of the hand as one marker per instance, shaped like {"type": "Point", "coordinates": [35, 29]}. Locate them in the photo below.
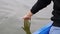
{"type": "Point", "coordinates": [27, 16]}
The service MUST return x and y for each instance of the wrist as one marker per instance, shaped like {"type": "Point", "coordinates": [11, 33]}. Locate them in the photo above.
{"type": "Point", "coordinates": [29, 13]}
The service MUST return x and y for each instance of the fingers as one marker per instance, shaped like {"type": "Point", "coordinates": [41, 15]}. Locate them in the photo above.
{"type": "Point", "coordinates": [26, 17]}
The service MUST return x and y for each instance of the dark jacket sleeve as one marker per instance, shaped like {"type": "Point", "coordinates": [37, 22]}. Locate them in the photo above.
{"type": "Point", "coordinates": [39, 5]}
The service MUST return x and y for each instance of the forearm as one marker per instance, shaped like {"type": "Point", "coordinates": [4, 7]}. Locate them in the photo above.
{"type": "Point", "coordinates": [39, 5]}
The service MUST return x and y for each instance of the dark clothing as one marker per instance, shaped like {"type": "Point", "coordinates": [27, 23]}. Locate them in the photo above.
{"type": "Point", "coordinates": [40, 4]}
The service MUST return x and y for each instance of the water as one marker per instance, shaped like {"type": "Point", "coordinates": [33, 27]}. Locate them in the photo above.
{"type": "Point", "coordinates": [11, 12]}
{"type": "Point", "coordinates": [13, 26]}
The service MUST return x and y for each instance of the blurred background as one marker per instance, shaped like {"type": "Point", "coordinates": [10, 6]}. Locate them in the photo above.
{"type": "Point", "coordinates": [11, 12]}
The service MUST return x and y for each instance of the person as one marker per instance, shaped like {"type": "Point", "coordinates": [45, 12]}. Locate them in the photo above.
{"type": "Point", "coordinates": [40, 4]}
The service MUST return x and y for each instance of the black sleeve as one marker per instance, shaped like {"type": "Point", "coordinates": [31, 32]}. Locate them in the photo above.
{"type": "Point", "coordinates": [39, 5]}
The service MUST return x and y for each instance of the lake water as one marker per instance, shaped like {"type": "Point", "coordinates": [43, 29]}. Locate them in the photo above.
{"type": "Point", "coordinates": [11, 12]}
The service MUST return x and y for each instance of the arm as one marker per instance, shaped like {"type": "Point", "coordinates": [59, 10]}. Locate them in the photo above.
{"type": "Point", "coordinates": [40, 4]}
{"type": "Point", "coordinates": [37, 6]}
